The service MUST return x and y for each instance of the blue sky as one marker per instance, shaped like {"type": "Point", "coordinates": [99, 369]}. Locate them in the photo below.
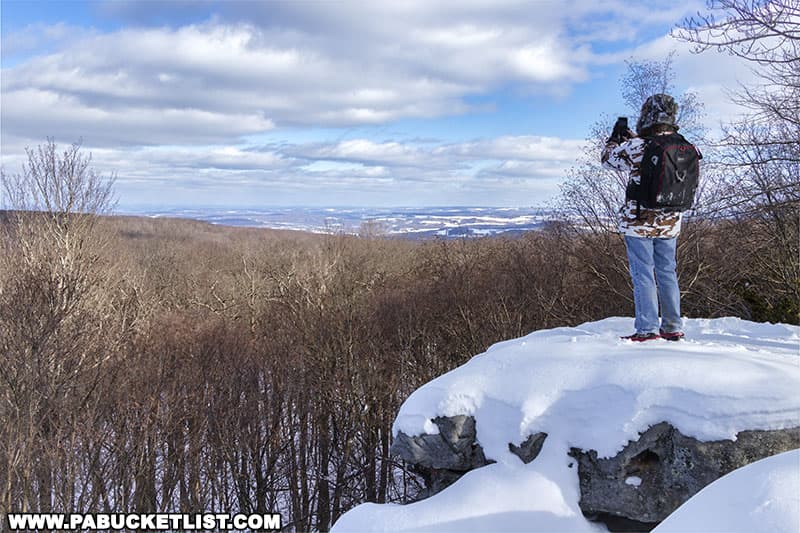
{"type": "Point", "coordinates": [333, 103]}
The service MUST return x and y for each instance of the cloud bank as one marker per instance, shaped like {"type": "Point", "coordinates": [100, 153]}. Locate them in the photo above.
{"type": "Point", "coordinates": [198, 96]}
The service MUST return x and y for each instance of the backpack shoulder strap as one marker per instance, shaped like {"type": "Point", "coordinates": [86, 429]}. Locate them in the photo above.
{"type": "Point", "coordinates": [690, 143]}
{"type": "Point", "coordinates": [648, 142]}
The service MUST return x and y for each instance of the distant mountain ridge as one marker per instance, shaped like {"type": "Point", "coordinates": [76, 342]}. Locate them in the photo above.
{"type": "Point", "coordinates": [426, 222]}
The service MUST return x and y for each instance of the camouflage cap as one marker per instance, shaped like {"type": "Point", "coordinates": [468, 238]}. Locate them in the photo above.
{"type": "Point", "coordinates": [657, 109]}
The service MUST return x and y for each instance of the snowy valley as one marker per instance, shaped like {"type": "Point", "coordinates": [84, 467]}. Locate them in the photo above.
{"type": "Point", "coordinates": [410, 223]}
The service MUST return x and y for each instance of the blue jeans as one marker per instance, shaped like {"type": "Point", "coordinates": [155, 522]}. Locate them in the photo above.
{"type": "Point", "coordinates": [652, 265]}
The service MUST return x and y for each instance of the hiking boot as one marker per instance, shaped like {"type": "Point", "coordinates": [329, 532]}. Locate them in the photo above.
{"type": "Point", "coordinates": [642, 337]}
{"type": "Point", "coordinates": [672, 335]}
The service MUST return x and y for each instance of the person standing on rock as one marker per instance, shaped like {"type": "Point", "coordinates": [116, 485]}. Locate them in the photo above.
{"type": "Point", "coordinates": [664, 173]}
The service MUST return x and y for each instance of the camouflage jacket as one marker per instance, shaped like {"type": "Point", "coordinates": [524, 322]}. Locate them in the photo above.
{"type": "Point", "coordinates": [654, 223]}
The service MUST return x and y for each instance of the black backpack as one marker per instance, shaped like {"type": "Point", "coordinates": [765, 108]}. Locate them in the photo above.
{"type": "Point", "coordinates": [670, 174]}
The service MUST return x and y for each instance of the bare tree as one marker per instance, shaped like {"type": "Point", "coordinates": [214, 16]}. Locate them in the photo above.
{"type": "Point", "coordinates": [54, 313]}
{"type": "Point", "coordinates": [59, 183]}
{"type": "Point", "coordinates": [761, 154]}
{"type": "Point", "coordinates": [647, 77]}
{"type": "Point", "coordinates": [765, 33]}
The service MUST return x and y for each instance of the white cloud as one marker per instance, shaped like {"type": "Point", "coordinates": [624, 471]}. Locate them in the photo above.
{"type": "Point", "coordinates": [389, 173]}
{"type": "Point", "coordinates": [218, 70]}
{"type": "Point", "coordinates": [261, 65]}
{"type": "Point", "coordinates": [371, 153]}
{"type": "Point", "coordinates": [520, 147]}
{"type": "Point", "coordinates": [36, 113]}
{"type": "Point", "coordinates": [196, 91]}
{"type": "Point", "coordinates": [37, 38]}
{"type": "Point", "coordinates": [511, 170]}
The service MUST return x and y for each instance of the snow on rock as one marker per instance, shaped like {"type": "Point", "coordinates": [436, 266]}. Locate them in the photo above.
{"type": "Point", "coordinates": [762, 496]}
{"type": "Point", "coordinates": [634, 481]}
{"type": "Point", "coordinates": [588, 389]}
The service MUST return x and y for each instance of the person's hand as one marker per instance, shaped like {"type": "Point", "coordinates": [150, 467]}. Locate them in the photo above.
{"type": "Point", "coordinates": [621, 132]}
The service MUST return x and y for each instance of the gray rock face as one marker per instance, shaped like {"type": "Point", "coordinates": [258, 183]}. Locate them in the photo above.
{"type": "Point", "coordinates": [633, 491]}
{"type": "Point", "coordinates": [442, 459]}
{"type": "Point", "coordinates": [653, 476]}
{"type": "Point", "coordinates": [528, 450]}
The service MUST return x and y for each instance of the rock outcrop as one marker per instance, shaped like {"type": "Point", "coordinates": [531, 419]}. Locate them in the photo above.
{"type": "Point", "coordinates": [626, 433]}
{"type": "Point", "coordinates": [530, 448]}
{"type": "Point", "coordinates": [656, 474]}
{"type": "Point", "coordinates": [444, 457]}
{"type": "Point", "coordinates": [634, 490]}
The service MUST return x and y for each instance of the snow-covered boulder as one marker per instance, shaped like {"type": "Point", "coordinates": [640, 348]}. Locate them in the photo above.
{"type": "Point", "coordinates": [571, 398]}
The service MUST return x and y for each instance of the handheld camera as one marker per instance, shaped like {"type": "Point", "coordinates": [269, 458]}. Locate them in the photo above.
{"type": "Point", "coordinates": [621, 131]}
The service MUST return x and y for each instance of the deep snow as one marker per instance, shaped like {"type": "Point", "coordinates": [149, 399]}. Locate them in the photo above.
{"type": "Point", "coordinates": [587, 388]}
